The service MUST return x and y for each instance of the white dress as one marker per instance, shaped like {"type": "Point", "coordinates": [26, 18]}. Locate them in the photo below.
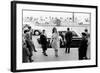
{"type": "Point", "coordinates": [55, 41]}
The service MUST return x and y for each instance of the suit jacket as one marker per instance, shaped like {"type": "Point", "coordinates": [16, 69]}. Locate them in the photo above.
{"type": "Point", "coordinates": [43, 39]}
{"type": "Point", "coordinates": [68, 36]}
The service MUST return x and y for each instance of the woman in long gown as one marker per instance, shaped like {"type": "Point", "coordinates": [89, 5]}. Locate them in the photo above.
{"type": "Point", "coordinates": [55, 41]}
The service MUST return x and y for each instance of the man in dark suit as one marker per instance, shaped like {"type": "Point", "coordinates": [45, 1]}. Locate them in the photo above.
{"type": "Point", "coordinates": [68, 39]}
{"type": "Point", "coordinates": [43, 40]}
{"type": "Point", "coordinates": [83, 47]}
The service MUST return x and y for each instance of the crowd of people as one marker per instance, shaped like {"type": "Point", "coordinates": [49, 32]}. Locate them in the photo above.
{"type": "Point", "coordinates": [28, 44]}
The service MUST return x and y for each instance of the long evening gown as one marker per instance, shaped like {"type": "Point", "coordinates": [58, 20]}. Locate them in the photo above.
{"type": "Point", "coordinates": [55, 41]}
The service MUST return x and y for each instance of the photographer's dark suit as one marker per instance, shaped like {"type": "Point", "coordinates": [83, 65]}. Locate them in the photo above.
{"type": "Point", "coordinates": [43, 41]}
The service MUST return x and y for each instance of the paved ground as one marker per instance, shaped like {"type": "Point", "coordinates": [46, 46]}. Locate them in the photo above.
{"type": "Point", "coordinates": [39, 57]}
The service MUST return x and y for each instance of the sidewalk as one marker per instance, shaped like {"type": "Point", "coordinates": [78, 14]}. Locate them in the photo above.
{"type": "Point", "coordinates": [39, 57]}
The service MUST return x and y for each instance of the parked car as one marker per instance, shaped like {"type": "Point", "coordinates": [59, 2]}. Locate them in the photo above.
{"type": "Point", "coordinates": [76, 38]}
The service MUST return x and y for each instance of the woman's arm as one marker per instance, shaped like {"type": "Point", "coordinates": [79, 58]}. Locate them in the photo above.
{"type": "Point", "coordinates": [51, 39]}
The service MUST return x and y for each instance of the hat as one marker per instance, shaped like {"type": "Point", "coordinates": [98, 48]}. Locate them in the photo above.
{"type": "Point", "coordinates": [84, 34]}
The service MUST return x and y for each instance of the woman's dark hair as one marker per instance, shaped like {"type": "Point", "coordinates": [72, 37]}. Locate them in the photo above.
{"type": "Point", "coordinates": [53, 30]}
